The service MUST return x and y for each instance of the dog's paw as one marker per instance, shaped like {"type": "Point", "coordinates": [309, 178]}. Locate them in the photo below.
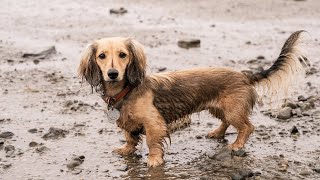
{"type": "Point", "coordinates": [215, 135]}
{"type": "Point", "coordinates": [155, 161]}
{"type": "Point", "coordinates": [235, 147]}
{"type": "Point", "coordinates": [124, 151]}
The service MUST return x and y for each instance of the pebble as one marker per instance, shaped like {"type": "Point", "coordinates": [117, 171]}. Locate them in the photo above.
{"type": "Point", "coordinates": [290, 104]}
{"type": "Point", "coordinates": [223, 155]}
{"type": "Point", "coordinates": [294, 130]}
{"type": "Point", "coordinates": [9, 149]}
{"type": "Point", "coordinates": [240, 153]}
{"type": "Point", "coordinates": [41, 55]}
{"type": "Point", "coordinates": [6, 165]}
{"type": "Point", "coordinates": [305, 172]}
{"type": "Point", "coordinates": [120, 10]}
{"type": "Point", "coordinates": [285, 113]}
{"type": "Point", "coordinates": [33, 130]}
{"type": "Point", "coordinates": [6, 135]}
{"type": "Point", "coordinates": [316, 169]}
{"type": "Point", "coordinates": [75, 161]}
{"type": "Point", "coordinates": [33, 144]}
{"type": "Point", "coordinates": [55, 133]}
{"type": "Point", "coordinates": [189, 43]}
{"type": "Point", "coordinates": [42, 149]}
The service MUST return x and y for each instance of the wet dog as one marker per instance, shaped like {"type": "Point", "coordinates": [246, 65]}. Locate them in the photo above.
{"type": "Point", "coordinates": [147, 104]}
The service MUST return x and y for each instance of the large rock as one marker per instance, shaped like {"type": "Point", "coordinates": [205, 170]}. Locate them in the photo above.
{"type": "Point", "coordinates": [285, 113]}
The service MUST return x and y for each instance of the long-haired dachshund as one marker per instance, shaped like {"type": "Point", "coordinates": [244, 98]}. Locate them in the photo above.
{"type": "Point", "coordinates": [147, 104]}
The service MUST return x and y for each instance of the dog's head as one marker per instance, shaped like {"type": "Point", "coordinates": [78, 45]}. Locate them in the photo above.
{"type": "Point", "coordinates": [113, 60]}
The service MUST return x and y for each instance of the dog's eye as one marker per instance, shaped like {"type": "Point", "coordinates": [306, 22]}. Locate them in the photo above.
{"type": "Point", "coordinates": [122, 55]}
{"type": "Point", "coordinates": [102, 56]}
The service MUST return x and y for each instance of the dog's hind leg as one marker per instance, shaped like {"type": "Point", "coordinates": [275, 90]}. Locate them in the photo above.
{"type": "Point", "coordinates": [244, 128]}
{"type": "Point", "coordinates": [132, 140]}
{"type": "Point", "coordinates": [219, 132]}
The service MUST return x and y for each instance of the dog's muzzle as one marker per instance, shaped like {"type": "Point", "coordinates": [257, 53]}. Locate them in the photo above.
{"type": "Point", "coordinates": [113, 74]}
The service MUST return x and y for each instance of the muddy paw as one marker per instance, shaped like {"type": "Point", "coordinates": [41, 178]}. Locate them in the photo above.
{"type": "Point", "coordinates": [215, 135]}
{"type": "Point", "coordinates": [125, 151]}
{"type": "Point", "coordinates": [235, 147]}
{"type": "Point", "coordinates": [155, 161]}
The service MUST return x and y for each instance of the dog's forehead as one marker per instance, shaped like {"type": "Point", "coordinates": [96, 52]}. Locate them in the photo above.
{"type": "Point", "coordinates": [113, 42]}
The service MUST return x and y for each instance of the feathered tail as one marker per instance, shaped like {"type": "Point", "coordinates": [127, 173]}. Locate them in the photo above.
{"type": "Point", "coordinates": [291, 61]}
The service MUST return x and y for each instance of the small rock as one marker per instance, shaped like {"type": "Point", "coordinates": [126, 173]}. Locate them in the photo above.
{"type": "Point", "coordinates": [6, 135]}
{"type": "Point", "coordinates": [305, 172]}
{"type": "Point", "coordinates": [33, 144]}
{"type": "Point", "coordinates": [75, 161]}
{"type": "Point", "coordinates": [120, 10]}
{"type": "Point", "coordinates": [246, 173]}
{"type": "Point", "coordinates": [236, 176]}
{"type": "Point", "coordinates": [6, 165]}
{"type": "Point", "coordinates": [41, 55]}
{"type": "Point", "coordinates": [302, 98]}
{"type": "Point", "coordinates": [240, 153]}
{"type": "Point", "coordinates": [297, 112]}
{"type": "Point", "coordinates": [1, 144]}
{"type": "Point", "coordinates": [162, 69]}
{"type": "Point", "coordinates": [283, 165]}
{"type": "Point", "coordinates": [36, 61]}
{"type": "Point", "coordinates": [42, 149]}
{"type": "Point", "coordinates": [223, 155]}
{"type": "Point", "coordinates": [294, 130]}
{"type": "Point", "coordinates": [290, 104]}
{"type": "Point", "coordinates": [260, 57]}
{"type": "Point", "coordinates": [9, 149]}
{"type": "Point", "coordinates": [198, 137]}
{"type": "Point", "coordinates": [305, 106]}
{"type": "Point", "coordinates": [33, 130]}
{"type": "Point", "coordinates": [316, 169]}
{"type": "Point", "coordinates": [189, 43]}
{"type": "Point", "coordinates": [55, 133]}
{"type": "Point", "coordinates": [285, 113]}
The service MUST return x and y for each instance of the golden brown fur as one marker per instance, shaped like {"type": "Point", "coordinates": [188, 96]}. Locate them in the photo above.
{"type": "Point", "coordinates": [161, 99]}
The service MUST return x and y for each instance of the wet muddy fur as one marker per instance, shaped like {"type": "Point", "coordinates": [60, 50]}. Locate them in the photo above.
{"type": "Point", "coordinates": [162, 99]}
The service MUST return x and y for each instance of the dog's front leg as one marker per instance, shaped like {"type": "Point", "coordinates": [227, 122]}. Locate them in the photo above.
{"type": "Point", "coordinates": [132, 140]}
{"type": "Point", "coordinates": [155, 137]}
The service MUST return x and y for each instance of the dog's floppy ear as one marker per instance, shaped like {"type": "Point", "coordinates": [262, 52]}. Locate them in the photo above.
{"type": "Point", "coordinates": [136, 69]}
{"type": "Point", "coordinates": [89, 69]}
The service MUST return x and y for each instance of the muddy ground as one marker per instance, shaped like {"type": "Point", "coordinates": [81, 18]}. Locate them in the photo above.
{"type": "Point", "coordinates": [51, 127]}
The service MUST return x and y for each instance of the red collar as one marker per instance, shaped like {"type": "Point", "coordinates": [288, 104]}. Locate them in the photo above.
{"type": "Point", "coordinates": [112, 100]}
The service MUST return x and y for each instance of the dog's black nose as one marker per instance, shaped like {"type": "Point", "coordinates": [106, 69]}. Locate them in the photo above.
{"type": "Point", "coordinates": [113, 73]}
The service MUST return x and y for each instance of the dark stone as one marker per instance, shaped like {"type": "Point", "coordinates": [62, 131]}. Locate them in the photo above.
{"type": "Point", "coordinates": [260, 57]}
{"type": "Point", "coordinates": [33, 144]}
{"type": "Point", "coordinates": [33, 130]}
{"type": "Point", "coordinates": [55, 133]}
{"type": "Point", "coordinates": [240, 153]}
{"type": "Point", "coordinates": [41, 55]}
{"type": "Point", "coordinates": [119, 11]}
{"type": "Point", "coordinates": [189, 43]}
{"type": "Point", "coordinates": [162, 69]}
{"type": "Point", "coordinates": [6, 135]}
{"type": "Point", "coordinates": [294, 130]}
{"type": "Point", "coordinates": [302, 98]}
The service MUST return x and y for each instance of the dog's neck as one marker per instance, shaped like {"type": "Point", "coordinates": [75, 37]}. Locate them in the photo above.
{"type": "Point", "coordinates": [114, 93]}
{"type": "Point", "coordinates": [114, 88]}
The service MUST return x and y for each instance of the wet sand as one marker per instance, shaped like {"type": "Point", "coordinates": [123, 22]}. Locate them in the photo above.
{"type": "Point", "coordinates": [39, 92]}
